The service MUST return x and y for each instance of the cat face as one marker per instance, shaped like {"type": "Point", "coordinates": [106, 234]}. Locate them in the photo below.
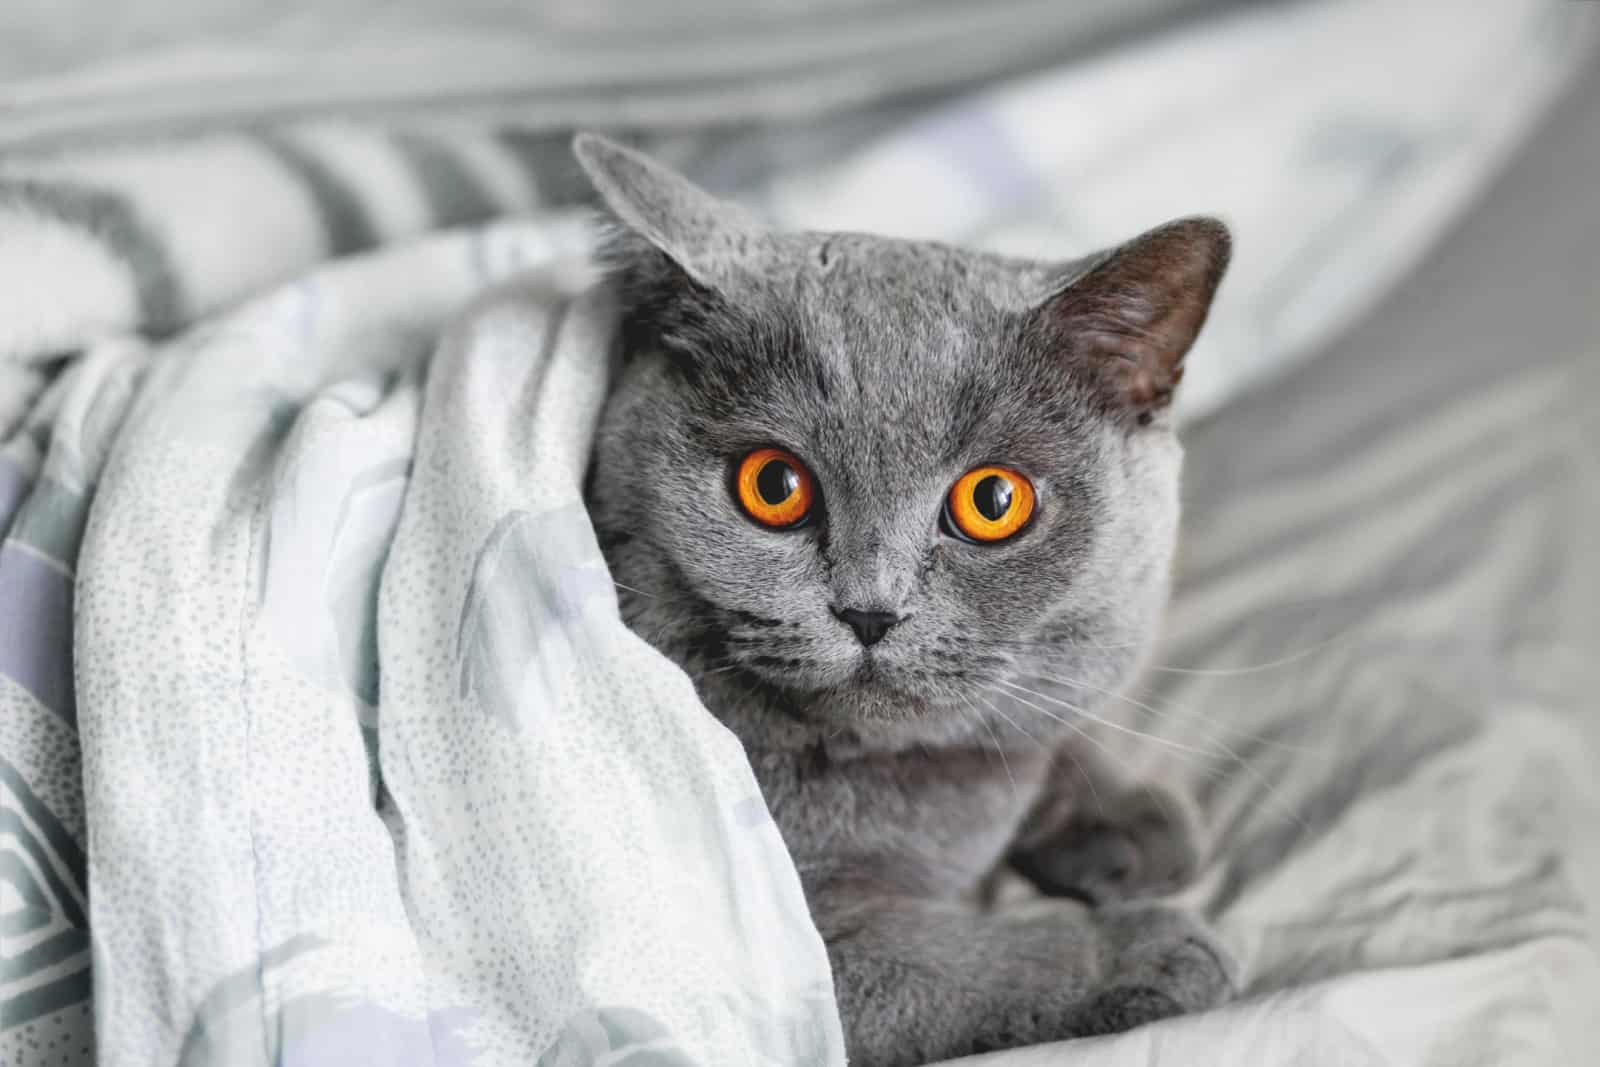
{"type": "Point", "coordinates": [883, 478]}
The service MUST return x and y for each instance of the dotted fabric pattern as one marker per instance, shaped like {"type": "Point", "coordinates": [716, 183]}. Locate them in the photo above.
{"type": "Point", "coordinates": [372, 770]}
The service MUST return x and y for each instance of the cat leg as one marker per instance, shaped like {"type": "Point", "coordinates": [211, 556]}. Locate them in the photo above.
{"type": "Point", "coordinates": [1096, 839]}
{"type": "Point", "coordinates": [920, 980]}
{"type": "Point", "coordinates": [1143, 844]}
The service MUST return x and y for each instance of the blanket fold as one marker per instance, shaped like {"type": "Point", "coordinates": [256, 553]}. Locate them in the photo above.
{"type": "Point", "coordinates": [313, 693]}
{"type": "Point", "coordinates": [562, 855]}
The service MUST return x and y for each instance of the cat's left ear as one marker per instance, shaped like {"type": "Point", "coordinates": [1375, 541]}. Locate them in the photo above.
{"type": "Point", "coordinates": [1127, 322]}
{"type": "Point", "coordinates": [704, 236]}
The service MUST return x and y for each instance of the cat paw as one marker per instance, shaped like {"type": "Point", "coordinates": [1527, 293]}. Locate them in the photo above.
{"type": "Point", "coordinates": [1143, 846]}
{"type": "Point", "coordinates": [1164, 962]}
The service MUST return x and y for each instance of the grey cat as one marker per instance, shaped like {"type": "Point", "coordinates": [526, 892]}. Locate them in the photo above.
{"type": "Point", "coordinates": [868, 493]}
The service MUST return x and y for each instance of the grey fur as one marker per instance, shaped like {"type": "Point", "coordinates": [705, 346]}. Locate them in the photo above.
{"type": "Point", "coordinates": [891, 368]}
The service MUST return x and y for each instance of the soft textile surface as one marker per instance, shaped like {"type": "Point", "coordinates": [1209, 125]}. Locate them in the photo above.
{"type": "Point", "coordinates": [368, 782]}
{"type": "Point", "coordinates": [288, 768]}
{"type": "Point", "coordinates": [1334, 181]}
{"type": "Point", "coordinates": [78, 68]}
{"type": "Point", "coordinates": [1386, 609]}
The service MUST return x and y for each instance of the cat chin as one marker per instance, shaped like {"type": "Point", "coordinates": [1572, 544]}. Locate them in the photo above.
{"type": "Point", "coordinates": [872, 703]}
{"type": "Point", "coordinates": [868, 704]}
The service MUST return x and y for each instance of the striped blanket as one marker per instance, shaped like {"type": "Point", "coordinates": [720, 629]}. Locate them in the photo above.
{"type": "Point", "coordinates": [284, 776]}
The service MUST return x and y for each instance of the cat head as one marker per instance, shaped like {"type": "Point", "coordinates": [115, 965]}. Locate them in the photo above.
{"type": "Point", "coordinates": [882, 479]}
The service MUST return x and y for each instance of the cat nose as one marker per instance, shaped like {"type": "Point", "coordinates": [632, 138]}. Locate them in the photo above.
{"type": "Point", "coordinates": [870, 626]}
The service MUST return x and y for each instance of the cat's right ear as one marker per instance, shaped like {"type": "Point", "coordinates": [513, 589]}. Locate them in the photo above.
{"type": "Point", "coordinates": [705, 237]}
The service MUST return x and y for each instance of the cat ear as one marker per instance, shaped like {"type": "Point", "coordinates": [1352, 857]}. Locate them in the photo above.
{"type": "Point", "coordinates": [704, 236]}
{"type": "Point", "coordinates": [1127, 322]}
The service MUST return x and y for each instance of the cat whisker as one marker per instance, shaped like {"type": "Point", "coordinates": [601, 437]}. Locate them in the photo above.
{"type": "Point", "coordinates": [1210, 728]}
{"type": "Point", "coordinates": [1228, 672]}
{"type": "Point", "coordinates": [1185, 715]}
{"type": "Point", "coordinates": [1082, 773]}
{"type": "Point", "coordinates": [748, 691]}
{"type": "Point", "coordinates": [1273, 793]}
{"type": "Point", "coordinates": [631, 589]}
{"type": "Point", "coordinates": [1031, 644]}
{"type": "Point", "coordinates": [1178, 746]}
{"type": "Point", "coordinates": [1126, 769]}
{"type": "Point", "coordinates": [1173, 715]}
{"type": "Point", "coordinates": [1047, 647]}
{"type": "Point", "coordinates": [1010, 721]}
{"type": "Point", "coordinates": [1004, 762]}
{"type": "Point", "coordinates": [1181, 749]}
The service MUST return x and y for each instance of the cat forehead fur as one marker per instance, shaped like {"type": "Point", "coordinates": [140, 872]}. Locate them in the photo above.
{"type": "Point", "coordinates": [905, 328]}
{"type": "Point", "coordinates": [890, 368]}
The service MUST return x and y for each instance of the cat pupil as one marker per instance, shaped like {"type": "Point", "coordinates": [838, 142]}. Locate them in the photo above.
{"type": "Point", "coordinates": [777, 482]}
{"type": "Point", "coordinates": [992, 497]}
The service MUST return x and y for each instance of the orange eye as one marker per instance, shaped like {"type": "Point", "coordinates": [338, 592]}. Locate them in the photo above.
{"type": "Point", "coordinates": [775, 488]}
{"type": "Point", "coordinates": [990, 504]}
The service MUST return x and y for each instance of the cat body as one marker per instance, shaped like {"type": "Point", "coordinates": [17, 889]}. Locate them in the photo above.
{"type": "Point", "coordinates": [905, 513]}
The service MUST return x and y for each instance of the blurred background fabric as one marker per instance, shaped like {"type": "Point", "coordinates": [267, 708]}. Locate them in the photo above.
{"type": "Point", "coordinates": [1384, 631]}
{"type": "Point", "coordinates": [1339, 140]}
{"type": "Point", "coordinates": [78, 66]}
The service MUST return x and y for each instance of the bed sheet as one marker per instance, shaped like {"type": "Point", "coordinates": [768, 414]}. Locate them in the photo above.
{"type": "Point", "coordinates": [1386, 647]}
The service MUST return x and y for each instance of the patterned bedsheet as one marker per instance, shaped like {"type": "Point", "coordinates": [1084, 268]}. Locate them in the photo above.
{"type": "Point", "coordinates": [1383, 645]}
{"type": "Point", "coordinates": [371, 769]}
{"type": "Point", "coordinates": [289, 765]}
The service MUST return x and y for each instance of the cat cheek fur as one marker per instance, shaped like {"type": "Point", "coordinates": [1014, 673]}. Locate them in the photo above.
{"type": "Point", "coordinates": [698, 562]}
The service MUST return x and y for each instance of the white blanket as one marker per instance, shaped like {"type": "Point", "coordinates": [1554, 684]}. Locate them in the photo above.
{"type": "Point", "coordinates": [289, 865]}
{"type": "Point", "coordinates": [530, 844]}
{"type": "Point", "coordinates": [566, 856]}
